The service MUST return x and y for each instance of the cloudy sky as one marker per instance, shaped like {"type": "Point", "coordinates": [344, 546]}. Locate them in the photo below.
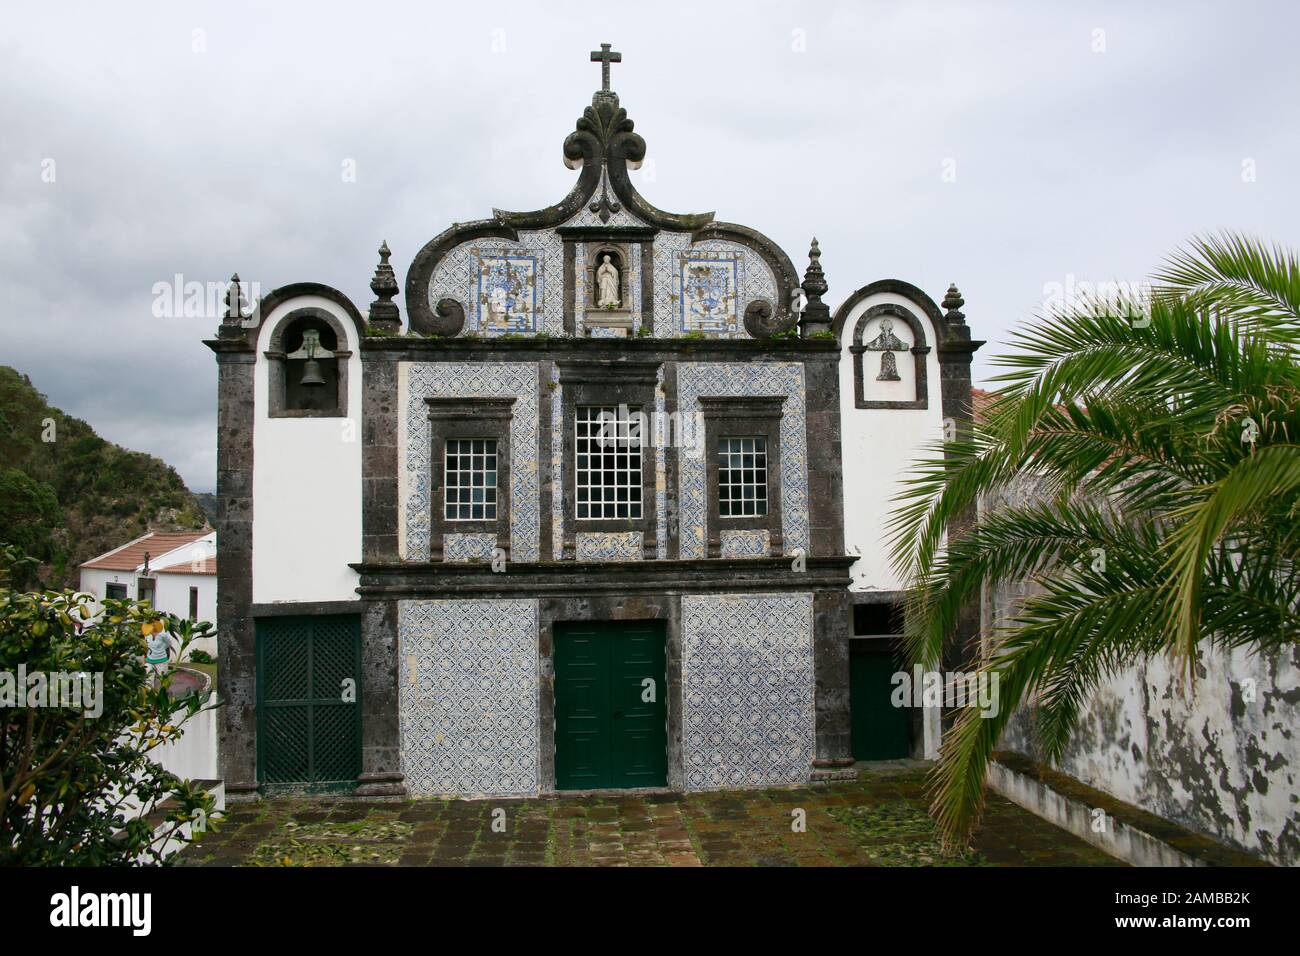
{"type": "Point", "coordinates": [1003, 146]}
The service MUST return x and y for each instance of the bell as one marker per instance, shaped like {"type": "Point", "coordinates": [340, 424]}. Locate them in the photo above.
{"type": "Point", "coordinates": [311, 373]}
{"type": "Point", "coordinates": [311, 350]}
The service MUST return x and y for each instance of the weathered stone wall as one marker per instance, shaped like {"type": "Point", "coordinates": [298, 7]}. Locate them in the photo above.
{"type": "Point", "coordinates": [1219, 755]}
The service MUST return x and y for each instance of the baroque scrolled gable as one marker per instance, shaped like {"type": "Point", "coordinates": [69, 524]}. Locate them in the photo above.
{"type": "Point", "coordinates": [666, 275]}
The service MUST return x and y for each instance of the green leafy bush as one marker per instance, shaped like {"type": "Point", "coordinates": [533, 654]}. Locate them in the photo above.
{"type": "Point", "coordinates": [74, 769]}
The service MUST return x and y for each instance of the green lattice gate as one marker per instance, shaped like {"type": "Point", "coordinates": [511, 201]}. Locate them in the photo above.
{"type": "Point", "coordinates": [309, 702]}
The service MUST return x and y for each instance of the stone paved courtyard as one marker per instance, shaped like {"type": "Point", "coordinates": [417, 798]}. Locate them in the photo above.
{"type": "Point", "coordinates": [878, 820]}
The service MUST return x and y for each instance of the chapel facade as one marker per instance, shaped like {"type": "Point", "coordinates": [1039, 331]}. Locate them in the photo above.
{"type": "Point", "coordinates": [578, 520]}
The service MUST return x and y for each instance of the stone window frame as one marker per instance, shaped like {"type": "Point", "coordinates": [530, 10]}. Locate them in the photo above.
{"type": "Point", "coordinates": [277, 366]}
{"type": "Point", "coordinates": [468, 417]}
{"type": "Point", "coordinates": [604, 382]}
{"type": "Point", "coordinates": [919, 352]}
{"type": "Point", "coordinates": [747, 416]}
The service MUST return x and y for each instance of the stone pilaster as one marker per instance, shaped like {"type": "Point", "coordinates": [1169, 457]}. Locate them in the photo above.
{"type": "Point", "coordinates": [236, 678]}
{"type": "Point", "coordinates": [381, 735]}
{"type": "Point", "coordinates": [832, 628]}
{"type": "Point", "coordinates": [956, 351]}
{"type": "Point", "coordinates": [379, 421]}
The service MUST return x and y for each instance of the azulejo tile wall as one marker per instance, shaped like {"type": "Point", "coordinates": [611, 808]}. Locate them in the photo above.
{"type": "Point", "coordinates": [733, 379]}
{"type": "Point", "coordinates": [744, 544]}
{"type": "Point", "coordinates": [747, 690]}
{"type": "Point", "coordinates": [462, 379]}
{"type": "Point", "coordinates": [468, 547]}
{"type": "Point", "coordinates": [721, 275]}
{"type": "Point", "coordinates": [608, 546]}
{"type": "Point", "coordinates": [468, 697]}
{"type": "Point", "coordinates": [521, 283]}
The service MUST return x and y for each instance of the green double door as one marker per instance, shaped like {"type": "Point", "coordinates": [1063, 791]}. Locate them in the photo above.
{"type": "Point", "coordinates": [881, 731]}
{"type": "Point", "coordinates": [611, 712]}
{"type": "Point", "coordinates": [309, 702]}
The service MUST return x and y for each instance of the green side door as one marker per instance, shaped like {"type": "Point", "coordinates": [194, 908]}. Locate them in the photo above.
{"type": "Point", "coordinates": [309, 702]}
{"type": "Point", "coordinates": [881, 731]}
{"type": "Point", "coordinates": [611, 716]}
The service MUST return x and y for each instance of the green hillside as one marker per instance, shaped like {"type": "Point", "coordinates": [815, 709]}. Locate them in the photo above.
{"type": "Point", "coordinates": [68, 499]}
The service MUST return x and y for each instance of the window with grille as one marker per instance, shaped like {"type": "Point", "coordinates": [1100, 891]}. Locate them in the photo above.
{"type": "Point", "coordinates": [742, 477]}
{"type": "Point", "coordinates": [607, 472]}
{"type": "Point", "coordinates": [470, 479]}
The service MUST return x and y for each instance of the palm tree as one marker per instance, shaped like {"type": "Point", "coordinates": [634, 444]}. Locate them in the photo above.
{"type": "Point", "coordinates": [1161, 438]}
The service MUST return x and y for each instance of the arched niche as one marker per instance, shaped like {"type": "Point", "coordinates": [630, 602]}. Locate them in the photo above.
{"type": "Point", "coordinates": [874, 335]}
{"type": "Point", "coordinates": [618, 259]}
{"type": "Point", "coordinates": [288, 396]}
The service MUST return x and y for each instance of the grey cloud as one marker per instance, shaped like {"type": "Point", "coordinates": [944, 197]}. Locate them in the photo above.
{"type": "Point", "coordinates": [171, 161]}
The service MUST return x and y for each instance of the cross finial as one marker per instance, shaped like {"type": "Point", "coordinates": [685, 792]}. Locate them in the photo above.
{"type": "Point", "coordinates": [604, 57]}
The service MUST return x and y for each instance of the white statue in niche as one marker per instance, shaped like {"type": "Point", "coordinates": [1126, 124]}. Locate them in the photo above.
{"type": "Point", "coordinates": [607, 286]}
{"type": "Point", "coordinates": [887, 343]}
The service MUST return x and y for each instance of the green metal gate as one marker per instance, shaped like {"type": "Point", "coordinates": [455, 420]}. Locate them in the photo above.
{"type": "Point", "coordinates": [611, 709]}
{"type": "Point", "coordinates": [309, 702]}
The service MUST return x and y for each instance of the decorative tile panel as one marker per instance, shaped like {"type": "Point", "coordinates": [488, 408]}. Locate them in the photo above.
{"type": "Point", "coordinates": [747, 690]}
{"type": "Point", "coordinates": [468, 697]}
{"type": "Point", "coordinates": [608, 546]}
{"type": "Point", "coordinates": [720, 278]}
{"type": "Point", "coordinates": [505, 286]}
{"type": "Point", "coordinates": [767, 378]}
{"type": "Point", "coordinates": [507, 294]}
{"type": "Point", "coordinates": [745, 544]}
{"type": "Point", "coordinates": [707, 285]}
{"type": "Point", "coordinates": [479, 380]}
{"type": "Point", "coordinates": [468, 547]}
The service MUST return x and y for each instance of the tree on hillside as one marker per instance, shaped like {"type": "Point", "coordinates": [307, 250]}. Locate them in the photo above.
{"type": "Point", "coordinates": [1165, 435]}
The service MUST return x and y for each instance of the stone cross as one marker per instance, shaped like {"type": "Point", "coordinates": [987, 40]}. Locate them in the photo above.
{"type": "Point", "coordinates": [604, 57]}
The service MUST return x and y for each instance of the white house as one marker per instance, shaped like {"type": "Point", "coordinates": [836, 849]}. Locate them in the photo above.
{"type": "Point", "coordinates": [175, 571]}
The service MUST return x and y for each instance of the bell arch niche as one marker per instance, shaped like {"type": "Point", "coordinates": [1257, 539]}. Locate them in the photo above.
{"type": "Point", "coordinates": [889, 359]}
{"type": "Point", "coordinates": [308, 366]}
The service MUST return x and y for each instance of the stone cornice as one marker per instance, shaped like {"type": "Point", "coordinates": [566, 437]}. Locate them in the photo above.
{"type": "Point", "coordinates": [389, 580]}
{"type": "Point", "coordinates": [401, 348]}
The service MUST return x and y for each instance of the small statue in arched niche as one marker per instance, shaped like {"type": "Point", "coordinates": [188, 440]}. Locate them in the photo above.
{"type": "Point", "coordinates": [608, 290]}
{"type": "Point", "coordinates": [887, 343]}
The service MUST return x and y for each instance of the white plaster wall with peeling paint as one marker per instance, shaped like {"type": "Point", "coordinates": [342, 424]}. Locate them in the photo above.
{"type": "Point", "coordinates": [1218, 754]}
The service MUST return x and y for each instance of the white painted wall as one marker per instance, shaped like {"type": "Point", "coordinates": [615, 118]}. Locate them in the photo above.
{"type": "Point", "coordinates": [171, 595]}
{"type": "Point", "coordinates": [879, 447]}
{"type": "Point", "coordinates": [306, 485]}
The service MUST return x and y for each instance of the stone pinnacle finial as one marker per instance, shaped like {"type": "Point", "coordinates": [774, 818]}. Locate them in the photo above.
{"type": "Point", "coordinates": [232, 323]}
{"type": "Point", "coordinates": [384, 313]}
{"type": "Point", "coordinates": [952, 303]}
{"type": "Point", "coordinates": [816, 314]}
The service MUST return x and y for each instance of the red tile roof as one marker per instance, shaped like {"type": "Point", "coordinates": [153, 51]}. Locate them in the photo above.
{"type": "Point", "coordinates": [131, 555]}
{"type": "Point", "coordinates": [206, 566]}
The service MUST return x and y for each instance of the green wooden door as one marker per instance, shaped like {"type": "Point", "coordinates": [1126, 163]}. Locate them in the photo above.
{"type": "Point", "coordinates": [607, 734]}
{"type": "Point", "coordinates": [881, 731]}
{"type": "Point", "coordinates": [309, 702]}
